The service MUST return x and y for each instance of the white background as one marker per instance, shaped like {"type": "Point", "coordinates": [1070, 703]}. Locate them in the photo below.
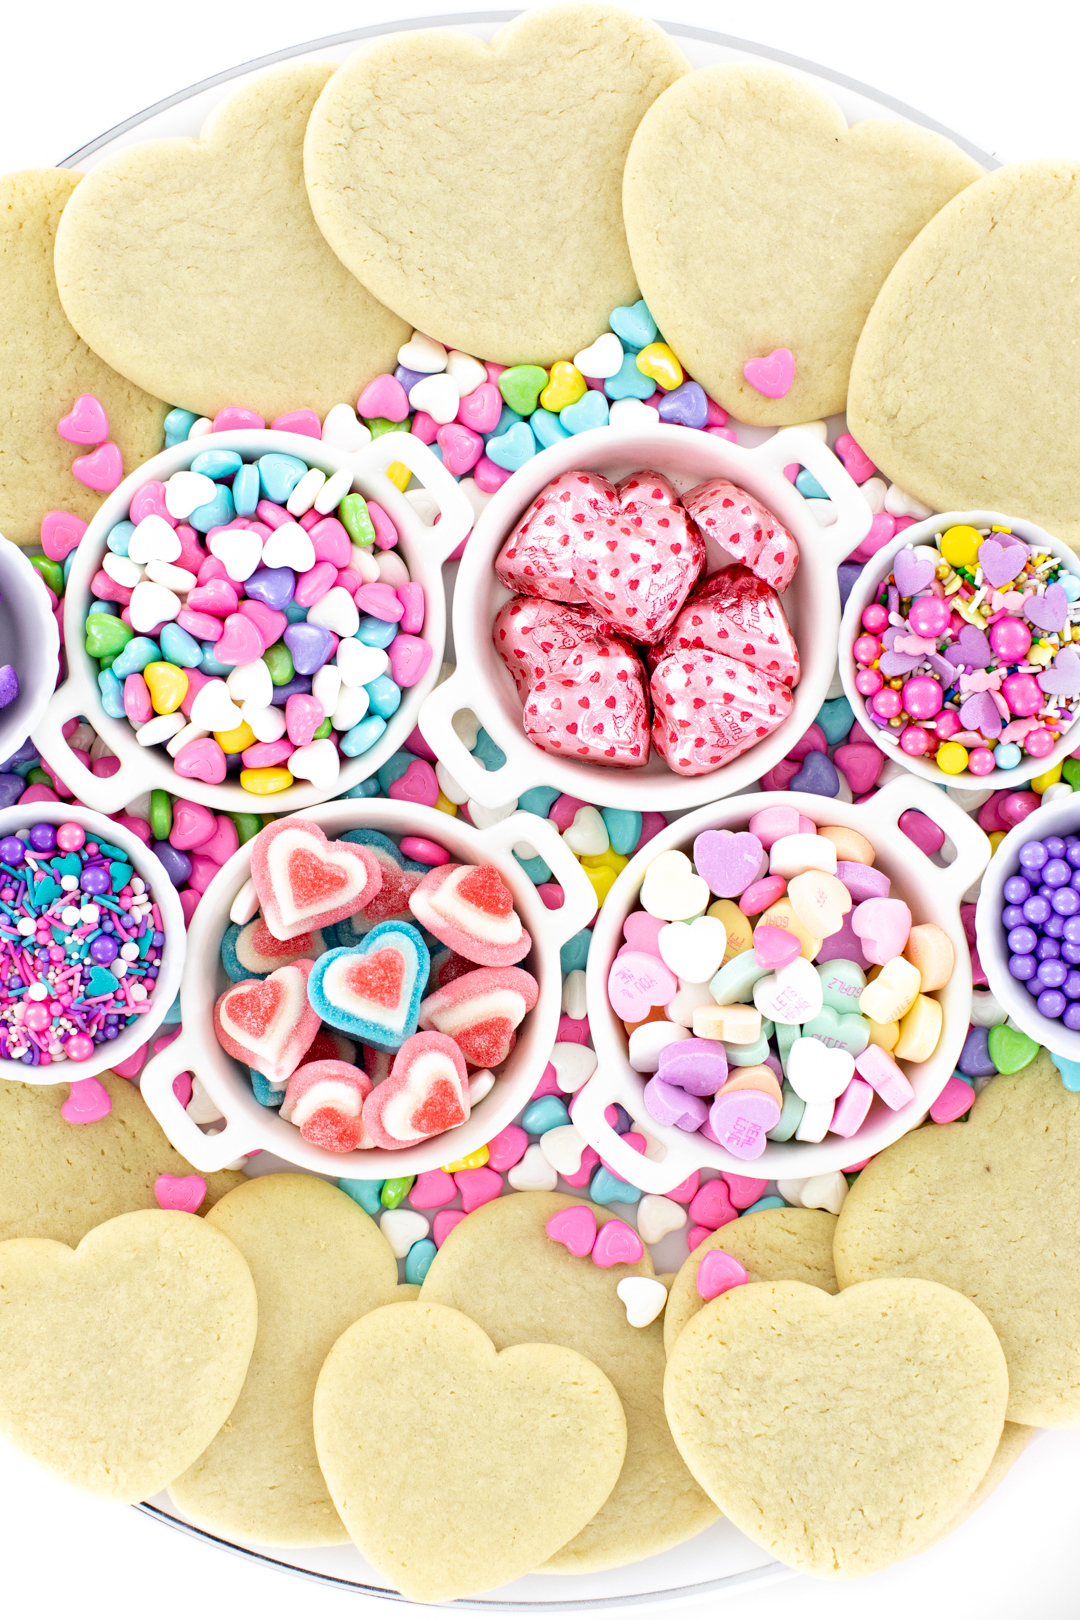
{"type": "Point", "coordinates": [1005, 77]}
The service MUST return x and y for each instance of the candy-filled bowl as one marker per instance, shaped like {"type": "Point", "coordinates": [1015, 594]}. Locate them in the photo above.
{"type": "Point", "coordinates": [931, 893]}
{"type": "Point", "coordinates": [687, 459]}
{"type": "Point", "coordinates": [252, 1126]}
{"type": "Point", "coordinates": [423, 548]}
{"type": "Point", "coordinates": [989, 776]}
{"type": "Point", "coordinates": [29, 642]}
{"type": "Point", "coordinates": [80, 972]}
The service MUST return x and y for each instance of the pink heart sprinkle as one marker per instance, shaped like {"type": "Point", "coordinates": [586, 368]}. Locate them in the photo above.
{"type": "Point", "coordinates": [203, 760]}
{"type": "Point", "coordinates": [575, 1227]}
{"type": "Point", "coordinates": [385, 397]}
{"type": "Point", "coordinates": [60, 534]}
{"type": "Point", "coordinates": [87, 1102]}
{"type": "Point", "coordinates": [240, 642]}
{"type": "Point", "coordinates": [180, 1192]}
{"type": "Point", "coordinates": [717, 1272]}
{"type": "Point", "coordinates": [481, 409]}
{"type": "Point", "coordinates": [102, 470]}
{"type": "Point", "coordinates": [85, 423]}
{"type": "Point", "coordinates": [773, 375]}
{"type": "Point", "coordinates": [410, 658]}
{"type": "Point", "coordinates": [617, 1245]}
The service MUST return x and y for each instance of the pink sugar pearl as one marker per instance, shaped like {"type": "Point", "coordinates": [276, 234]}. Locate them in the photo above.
{"type": "Point", "coordinates": [1023, 695]}
{"type": "Point", "coordinates": [866, 649]}
{"type": "Point", "coordinates": [929, 616]}
{"type": "Point", "coordinates": [1039, 743]}
{"type": "Point", "coordinates": [875, 618]}
{"type": "Point", "coordinates": [869, 681]}
{"type": "Point", "coordinates": [79, 1048]}
{"type": "Point", "coordinates": [887, 703]}
{"type": "Point", "coordinates": [947, 724]}
{"type": "Point", "coordinates": [1010, 639]}
{"type": "Point", "coordinates": [922, 697]}
{"type": "Point", "coordinates": [914, 741]}
{"type": "Point", "coordinates": [981, 761]}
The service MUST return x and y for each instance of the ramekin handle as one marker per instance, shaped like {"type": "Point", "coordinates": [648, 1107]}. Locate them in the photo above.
{"type": "Point", "coordinates": [650, 1175]}
{"type": "Point", "coordinates": [436, 721]}
{"type": "Point", "coordinates": [105, 793]}
{"type": "Point", "coordinates": [579, 896]}
{"type": "Point", "coordinates": [201, 1151]}
{"type": "Point", "coordinates": [455, 511]}
{"type": "Point", "coordinates": [973, 849]}
{"type": "Point", "coordinates": [853, 514]}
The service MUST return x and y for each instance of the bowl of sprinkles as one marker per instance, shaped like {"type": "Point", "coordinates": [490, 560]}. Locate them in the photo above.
{"type": "Point", "coordinates": [91, 943]}
{"type": "Point", "coordinates": [958, 650]}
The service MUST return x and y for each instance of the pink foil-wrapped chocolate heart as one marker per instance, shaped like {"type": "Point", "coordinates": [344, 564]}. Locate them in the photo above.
{"type": "Point", "coordinates": [534, 636]}
{"type": "Point", "coordinates": [638, 569]}
{"type": "Point", "coordinates": [538, 558]}
{"type": "Point", "coordinates": [708, 710]}
{"type": "Point", "coordinates": [735, 520]}
{"type": "Point", "coordinates": [737, 615]}
{"type": "Point", "coordinates": [594, 708]}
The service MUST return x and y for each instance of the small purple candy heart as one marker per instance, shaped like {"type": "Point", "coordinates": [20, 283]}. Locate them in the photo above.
{"type": "Point", "coordinates": [910, 572]}
{"type": "Point", "coordinates": [818, 775]}
{"type": "Point", "coordinates": [1062, 677]}
{"type": "Point", "coordinates": [979, 713]}
{"type": "Point", "coordinates": [1001, 564]}
{"type": "Point", "coordinates": [893, 662]}
{"type": "Point", "coordinates": [1047, 612]}
{"type": "Point", "coordinates": [729, 862]}
{"type": "Point", "coordinates": [970, 650]}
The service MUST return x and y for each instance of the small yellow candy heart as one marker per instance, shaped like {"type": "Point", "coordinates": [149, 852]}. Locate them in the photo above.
{"type": "Point", "coordinates": [930, 949]}
{"type": "Point", "coordinates": [566, 387]}
{"type": "Point", "coordinates": [889, 996]}
{"type": "Point", "coordinates": [447, 806]}
{"type": "Point", "coordinates": [920, 1030]}
{"type": "Point", "coordinates": [236, 740]}
{"type": "Point", "coordinates": [884, 1035]}
{"type": "Point", "coordinates": [820, 902]}
{"type": "Point", "coordinates": [471, 1161]}
{"type": "Point", "coordinates": [266, 779]}
{"type": "Point", "coordinates": [739, 932]}
{"type": "Point", "coordinates": [657, 360]}
{"type": "Point", "coordinates": [602, 870]}
{"type": "Point", "coordinates": [168, 687]}
{"type": "Point", "coordinates": [398, 474]}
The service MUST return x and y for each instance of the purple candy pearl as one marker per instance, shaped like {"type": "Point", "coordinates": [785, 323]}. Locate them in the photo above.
{"type": "Point", "coordinates": [104, 950]}
{"type": "Point", "coordinates": [95, 880]}
{"type": "Point", "coordinates": [1052, 1003]}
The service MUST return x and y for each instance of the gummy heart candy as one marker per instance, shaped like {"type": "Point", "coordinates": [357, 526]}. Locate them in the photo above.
{"type": "Point", "coordinates": [594, 707]}
{"type": "Point", "coordinates": [372, 990]}
{"type": "Point", "coordinates": [471, 909]}
{"type": "Point", "coordinates": [534, 636]}
{"type": "Point", "coordinates": [736, 614]}
{"type": "Point", "coordinates": [324, 1101]}
{"type": "Point", "coordinates": [252, 952]}
{"type": "Point", "coordinates": [739, 524]}
{"type": "Point", "coordinates": [268, 1023]}
{"type": "Point", "coordinates": [391, 903]}
{"type": "Point", "coordinates": [425, 1093]}
{"type": "Point", "coordinates": [638, 568]}
{"type": "Point", "coordinates": [538, 558]}
{"type": "Point", "coordinates": [480, 1011]}
{"type": "Point", "coordinates": [708, 710]}
{"type": "Point", "coordinates": [303, 881]}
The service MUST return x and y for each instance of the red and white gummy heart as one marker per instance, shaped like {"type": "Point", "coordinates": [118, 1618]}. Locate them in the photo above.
{"type": "Point", "coordinates": [268, 1023]}
{"type": "Point", "coordinates": [425, 1093]}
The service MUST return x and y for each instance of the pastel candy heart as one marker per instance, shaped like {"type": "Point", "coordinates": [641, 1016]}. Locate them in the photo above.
{"type": "Point", "coordinates": [817, 775]}
{"type": "Point", "coordinates": [861, 764]}
{"type": "Point", "coordinates": [1001, 562]}
{"type": "Point", "coordinates": [216, 597]}
{"type": "Point", "coordinates": [88, 1100]}
{"type": "Point", "coordinates": [341, 428]}
{"type": "Point", "coordinates": [816, 1072]}
{"type": "Point", "coordinates": [154, 540]}
{"type": "Point", "coordinates": [575, 1228]}
{"type": "Point", "coordinates": [240, 550]}
{"type": "Point", "coordinates": [410, 659]}
{"type": "Point", "coordinates": [372, 990]}
{"type": "Point", "coordinates": [775, 947]}
{"type": "Point", "coordinates": [717, 1272]}
{"type": "Point", "coordinates": [791, 995]}
{"type": "Point", "coordinates": [644, 1298]}
{"type": "Point", "coordinates": [693, 951]}
{"type": "Point", "coordinates": [820, 901]}
{"type": "Point", "coordinates": [602, 359]}
{"type": "Point", "coordinates": [845, 1031]}
{"type": "Point", "coordinates": [85, 423]}
{"type": "Point", "coordinates": [657, 1216]}
{"type": "Point", "coordinates": [883, 927]}
{"type": "Point", "coordinates": [268, 1023]}
{"type": "Point", "coordinates": [201, 760]}
{"type": "Point", "coordinates": [1062, 677]}
{"type": "Point", "coordinates": [425, 1093]}
{"type": "Point", "coordinates": [480, 410]}
{"type": "Point", "coordinates": [672, 890]}
{"type": "Point", "coordinates": [213, 709]}
{"type": "Point", "coordinates": [911, 572]}
{"type": "Point", "coordinates": [773, 375]}
{"type": "Point", "coordinates": [729, 862]}
{"type": "Point", "coordinates": [1046, 612]}
{"type": "Point", "coordinates": [617, 1245]}
{"type": "Point", "coordinates": [842, 983]}
{"type": "Point", "coordinates": [192, 824]}
{"type": "Point", "coordinates": [461, 448]}
{"type": "Point", "coordinates": [739, 1121]}
{"type": "Point", "coordinates": [240, 642]}
{"type": "Point", "coordinates": [698, 1067]}
{"type": "Point", "coordinates": [180, 1192]}
{"type": "Point", "coordinates": [303, 881]}
{"type": "Point", "coordinates": [886, 1076]}
{"type": "Point", "coordinates": [642, 931]}
{"type": "Point", "coordinates": [979, 712]}
{"type": "Point", "coordinates": [103, 469]}
{"type": "Point", "coordinates": [60, 534]}
{"type": "Point", "coordinates": [637, 983]}
{"type": "Point", "coordinates": [383, 397]}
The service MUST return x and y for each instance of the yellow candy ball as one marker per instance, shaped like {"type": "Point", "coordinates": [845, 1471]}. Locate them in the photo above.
{"type": "Point", "coordinates": [1039, 784]}
{"type": "Point", "coordinates": [236, 740]}
{"type": "Point", "coordinates": [168, 686]}
{"type": "Point", "coordinates": [398, 474]}
{"type": "Point", "coordinates": [471, 1161]}
{"type": "Point", "coordinates": [952, 758]}
{"type": "Point", "coordinates": [447, 806]}
{"type": "Point", "coordinates": [960, 546]}
{"type": "Point", "coordinates": [658, 361]}
{"type": "Point", "coordinates": [566, 387]}
{"type": "Point", "coordinates": [266, 779]}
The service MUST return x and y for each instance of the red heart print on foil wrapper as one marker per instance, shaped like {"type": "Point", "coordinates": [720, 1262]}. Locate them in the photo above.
{"type": "Point", "coordinates": [425, 1093]}
{"type": "Point", "coordinates": [534, 636]}
{"type": "Point", "coordinates": [594, 708]}
{"type": "Point", "coordinates": [268, 1023]}
{"type": "Point", "coordinates": [637, 568]}
{"type": "Point", "coordinates": [304, 881]}
{"type": "Point", "coordinates": [708, 710]}
{"type": "Point", "coordinates": [736, 521]}
{"type": "Point", "coordinates": [737, 615]}
{"type": "Point", "coordinates": [538, 558]}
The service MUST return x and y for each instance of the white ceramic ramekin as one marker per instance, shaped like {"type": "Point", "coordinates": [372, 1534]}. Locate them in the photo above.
{"type": "Point", "coordinates": [157, 880]}
{"type": "Point", "coordinates": [252, 1126]}
{"type": "Point", "coordinates": [932, 893]}
{"type": "Point", "coordinates": [30, 640]}
{"type": "Point", "coordinates": [424, 547]}
{"type": "Point", "coordinates": [1055, 820]}
{"type": "Point", "coordinates": [863, 593]}
{"type": "Point", "coordinates": [482, 683]}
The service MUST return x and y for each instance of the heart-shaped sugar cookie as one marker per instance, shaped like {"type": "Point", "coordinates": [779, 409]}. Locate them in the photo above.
{"type": "Point", "coordinates": [841, 1433]}
{"type": "Point", "coordinates": [811, 216]}
{"type": "Point", "coordinates": [400, 125]}
{"type": "Point", "coordinates": [196, 269]}
{"type": "Point", "coordinates": [381, 1412]}
{"type": "Point", "coordinates": [161, 1296]}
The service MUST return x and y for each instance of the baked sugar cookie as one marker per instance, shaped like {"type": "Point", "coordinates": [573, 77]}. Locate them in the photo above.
{"type": "Point", "coordinates": [775, 1245]}
{"type": "Point", "coordinates": [757, 220]}
{"type": "Point", "coordinates": [989, 1208]}
{"type": "Point", "coordinates": [196, 269]}
{"type": "Point", "coordinates": [500, 1267]}
{"type": "Point", "coordinates": [455, 1467]}
{"type": "Point", "coordinates": [984, 305]}
{"type": "Point", "coordinates": [60, 1180]}
{"type": "Point", "coordinates": [45, 366]}
{"type": "Point", "coordinates": [839, 1433]}
{"type": "Point", "coordinates": [121, 1359]}
{"type": "Point", "coordinates": [1015, 1439]}
{"type": "Point", "coordinates": [318, 1262]}
{"type": "Point", "coordinates": [476, 188]}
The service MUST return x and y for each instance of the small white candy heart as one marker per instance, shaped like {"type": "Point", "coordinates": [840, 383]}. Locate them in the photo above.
{"type": "Point", "coordinates": [693, 951]}
{"type": "Point", "coordinates": [657, 1216]}
{"type": "Point", "coordinates": [342, 428]}
{"type": "Point", "coordinates": [240, 550]}
{"type": "Point", "coordinates": [160, 729]}
{"type": "Point", "coordinates": [466, 727]}
{"type": "Point", "coordinates": [184, 491]}
{"type": "Point", "coordinates": [466, 372]}
{"type": "Point", "coordinates": [124, 570]}
{"type": "Point", "coordinates": [251, 683]}
{"type": "Point", "coordinates": [644, 1298]}
{"type": "Point", "coordinates": [360, 665]}
{"type": "Point", "coordinates": [437, 395]}
{"type": "Point", "coordinates": [573, 1064]}
{"type": "Point", "coordinates": [602, 358]}
{"type": "Point", "coordinates": [182, 738]}
{"type": "Point", "coordinates": [476, 497]}
{"type": "Point", "coordinates": [214, 709]}
{"type": "Point", "coordinates": [173, 578]}
{"type": "Point", "coordinates": [672, 890]}
{"type": "Point", "coordinates": [151, 605]}
{"type": "Point", "coordinates": [402, 1227]}
{"type": "Point", "coordinates": [350, 708]}
{"type": "Point", "coordinates": [823, 512]}
{"type": "Point", "coordinates": [648, 1041]}
{"type": "Point", "coordinates": [316, 762]}
{"type": "Point", "coordinates": [816, 1072]}
{"type": "Point", "coordinates": [986, 1010]}
{"type": "Point", "coordinates": [791, 1191]}
{"type": "Point", "coordinates": [246, 904]}
{"type": "Point", "coordinates": [154, 540]}
{"type": "Point", "coordinates": [562, 1147]}
{"type": "Point", "coordinates": [392, 569]}
{"type": "Point", "coordinates": [266, 722]}
{"type": "Point", "coordinates": [632, 413]}
{"type": "Point", "coordinates": [326, 687]}
{"type": "Point", "coordinates": [449, 785]}
{"type": "Point", "coordinates": [489, 815]}
{"type": "Point", "coordinates": [587, 834]}
{"type": "Point", "coordinates": [422, 353]}
{"type": "Point", "coordinates": [200, 428]}
{"type": "Point", "coordinates": [573, 994]}
{"type": "Point", "coordinates": [901, 504]}
{"type": "Point", "coordinates": [303, 496]}
{"type": "Point", "coordinates": [480, 1084]}
{"type": "Point", "coordinates": [532, 1173]}
{"type": "Point", "coordinates": [791, 995]}
{"type": "Point", "coordinates": [289, 546]}
{"type": "Point", "coordinates": [873, 493]}
{"type": "Point", "coordinates": [826, 1191]}
{"type": "Point", "coordinates": [335, 489]}
{"type": "Point", "coordinates": [815, 1122]}
{"type": "Point", "coordinates": [686, 1000]}
{"type": "Point", "coordinates": [423, 504]}
{"type": "Point", "coordinates": [335, 611]}
{"type": "Point", "coordinates": [802, 852]}
{"type": "Point", "coordinates": [202, 1108]}
{"type": "Point", "coordinates": [366, 565]}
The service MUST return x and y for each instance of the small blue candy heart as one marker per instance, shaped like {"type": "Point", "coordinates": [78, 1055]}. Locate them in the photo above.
{"type": "Point", "coordinates": [512, 449]}
{"type": "Point", "coordinates": [590, 411]}
{"type": "Point", "coordinates": [633, 324]}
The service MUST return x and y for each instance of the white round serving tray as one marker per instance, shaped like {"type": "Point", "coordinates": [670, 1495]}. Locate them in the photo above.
{"type": "Point", "coordinates": [721, 1562]}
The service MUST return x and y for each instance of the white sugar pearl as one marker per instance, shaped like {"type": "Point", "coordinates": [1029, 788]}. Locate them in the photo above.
{"type": "Point", "coordinates": [130, 951]}
{"type": "Point", "coordinates": [38, 992]}
{"type": "Point", "coordinates": [69, 881]}
{"type": "Point", "coordinates": [118, 967]}
{"type": "Point", "coordinates": [532, 1173]}
{"type": "Point", "coordinates": [186, 490]}
{"type": "Point", "coordinates": [335, 489]}
{"type": "Point", "coordinates": [70, 916]}
{"type": "Point", "coordinates": [402, 1228]}
{"type": "Point", "coordinates": [138, 992]}
{"type": "Point", "coordinates": [303, 495]}
{"type": "Point", "coordinates": [89, 914]}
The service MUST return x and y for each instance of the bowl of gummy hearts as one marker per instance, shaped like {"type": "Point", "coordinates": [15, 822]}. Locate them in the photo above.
{"type": "Point", "coordinates": [92, 943]}
{"type": "Point", "coordinates": [373, 990]}
{"type": "Point", "coordinates": [781, 981]}
{"type": "Point", "coordinates": [958, 650]}
{"type": "Point", "coordinates": [646, 617]}
{"type": "Point", "coordinates": [29, 648]}
{"type": "Point", "coordinates": [254, 618]}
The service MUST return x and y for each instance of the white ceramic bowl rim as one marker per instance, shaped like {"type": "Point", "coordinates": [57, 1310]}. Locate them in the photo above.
{"type": "Point", "coordinates": [424, 547]}
{"type": "Point", "coordinates": [26, 616]}
{"type": "Point", "coordinates": [480, 682]}
{"type": "Point", "coordinates": [150, 869]}
{"type": "Point", "coordinates": [865, 589]}
{"type": "Point", "coordinates": [250, 1125]}
{"type": "Point", "coordinates": [933, 893]}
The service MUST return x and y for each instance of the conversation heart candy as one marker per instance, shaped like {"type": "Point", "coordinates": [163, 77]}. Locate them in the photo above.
{"type": "Point", "coordinates": [253, 952]}
{"type": "Point", "coordinates": [737, 615]}
{"type": "Point", "coordinates": [372, 989]}
{"type": "Point", "coordinates": [594, 707]}
{"type": "Point", "coordinates": [480, 1011]}
{"type": "Point", "coordinates": [883, 927]}
{"type": "Point", "coordinates": [888, 997]}
{"type": "Point", "coordinates": [820, 902]}
{"type": "Point", "coordinates": [304, 881]}
{"type": "Point", "coordinates": [425, 1093]}
{"type": "Point", "coordinates": [728, 861]}
{"type": "Point", "coordinates": [708, 709]}
{"type": "Point", "coordinates": [816, 1072]}
{"type": "Point", "coordinates": [324, 1101]}
{"type": "Point", "coordinates": [739, 1121]}
{"type": "Point", "coordinates": [791, 995]}
{"type": "Point", "coordinates": [699, 1067]}
{"type": "Point", "coordinates": [268, 1023]}
{"type": "Point", "coordinates": [471, 909]}
{"type": "Point", "coordinates": [846, 1031]}
{"type": "Point", "coordinates": [775, 947]}
{"type": "Point", "coordinates": [693, 951]}
{"type": "Point", "coordinates": [930, 950]}
{"type": "Point", "coordinates": [637, 567]}
{"type": "Point", "coordinates": [886, 1076]}
{"type": "Point", "coordinates": [538, 558]}
{"type": "Point", "coordinates": [736, 521]}
{"type": "Point", "coordinates": [534, 636]}
{"type": "Point", "coordinates": [637, 983]}
{"type": "Point", "coordinates": [672, 890]}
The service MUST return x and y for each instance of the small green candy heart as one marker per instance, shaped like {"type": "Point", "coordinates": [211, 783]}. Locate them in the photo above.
{"type": "Point", "coordinates": [786, 1036]}
{"type": "Point", "coordinates": [842, 983]}
{"type": "Point", "coordinates": [160, 813]}
{"type": "Point", "coordinates": [278, 660]}
{"type": "Point", "coordinates": [394, 1190]}
{"type": "Point", "coordinates": [106, 635]}
{"type": "Point", "coordinates": [353, 513]}
{"type": "Point", "coordinates": [845, 1032]}
{"type": "Point", "coordinates": [1070, 772]}
{"type": "Point", "coordinates": [1010, 1049]}
{"type": "Point", "coordinates": [520, 387]}
{"type": "Point", "coordinates": [741, 1057]}
{"type": "Point", "coordinates": [736, 979]}
{"type": "Point", "coordinates": [378, 425]}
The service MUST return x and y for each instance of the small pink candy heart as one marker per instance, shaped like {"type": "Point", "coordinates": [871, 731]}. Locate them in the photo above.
{"type": "Point", "coordinates": [955, 1100]}
{"type": "Point", "coordinates": [385, 397]}
{"type": "Point", "coordinates": [305, 422]}
{"type": "Point", "coordinates": [775, 947]}
{"type": "Point", "coordinates": [202, 760]}
{"type": "Point", "coordinates": [855, 458]}
{"type": "Point", "coordinates": [883, 927]}
{"type": "Point", "coordinates": [574, 1227]}
{"type": "Point", "coordinates": [149, 499]}
{"type": "Point", "coordinates": [717, 1272]}
{"type": "Point", "coordinates": [743, 1190]}
{"type": "Point", "coordinates": [740, 1119]}
{"type": "Point", "coordinates": [180, 1192]}
{"type": "Point", "coordinates": [773, 375]}
{"type": "Point", "coordinates": [60, 534]}
{"type": "Point", "coordinates": [192, 824]}
{"type": "Point", "coordinates": [729, 862]}
{"type": "Point", "coordinates": [461, 447]}
{"type": "Point", "coordinates": [410, 657]}
{"type": "Point", "coordinates": [617, 1245]}
{"type": "Point", "coordinates": [85, 423]}
{"type": "Point", "coordinates": [304, 715]}
{"type": "Point", "coordinates": [131, 1065]}
{"type": "Point", "coordinates": [88, 1101]}
{"type": "Point", "coordinates": [641, 931]}
{"type": "Point", "coordinates": [419, 784]}
{"type": "Point", "coordinates": [223, 843]}
{"type": "Point", "coordinates": [102, 470]}
{"type": "Point", "coordinates": [182, 1088]}
{"type": "Point", "coordinates": [882, 530]}
{"type": "Point", "coordinates": [240, 642]}
{"type": "Point", "coordinates": [637, 983]}
{"type": "Point", "coordinates": [380, 600]}
{"type": "Point", "coordinates": [481, 409]}
{"type": "Point", "coordinates": [237, 416]}
{"type": "Point", "coordinates": [217, 596]}
{"type": "Point", "coordinates": [861, 764]}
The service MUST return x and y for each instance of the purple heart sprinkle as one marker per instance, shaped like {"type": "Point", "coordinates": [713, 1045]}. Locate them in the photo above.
{"type": "Point", "coordinates": [1047, 612]}
{"type": "Point", "coordinates": [911, 572]}
{"type": "Point", "coordinates": [1001, 564]}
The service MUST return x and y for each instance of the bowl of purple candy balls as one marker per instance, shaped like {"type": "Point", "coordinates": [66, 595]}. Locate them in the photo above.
{"type": "Point", "coordinates": [1028, 926]}
{"type": "Point", "coordinates": [29, 654]}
